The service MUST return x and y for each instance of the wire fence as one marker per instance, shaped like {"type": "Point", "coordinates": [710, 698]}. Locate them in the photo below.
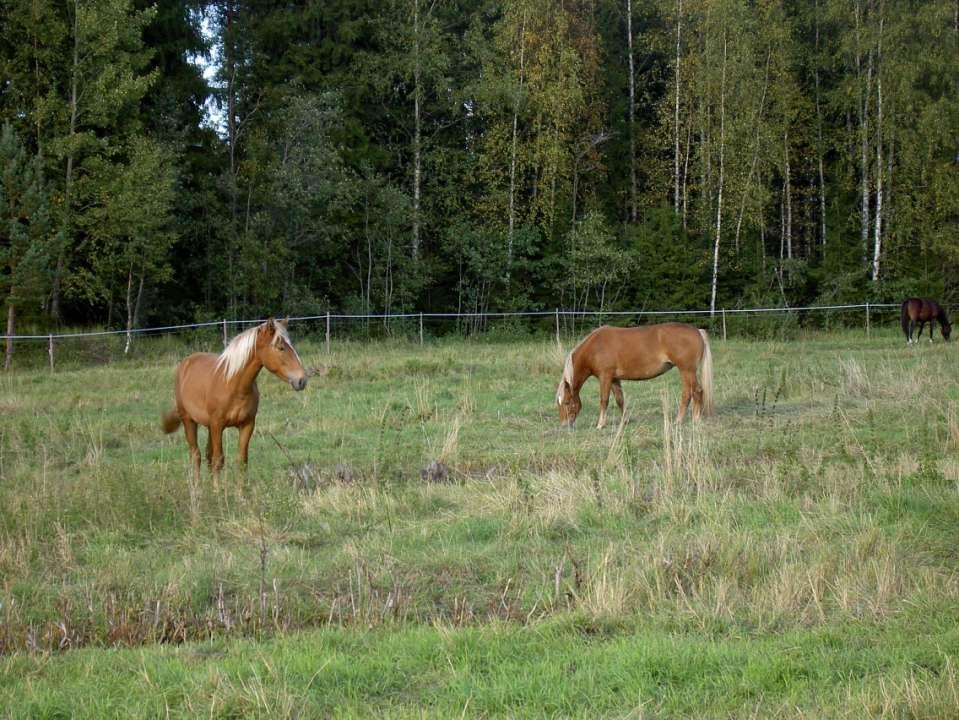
{"type": "Point", "coordinates": [104, 345]}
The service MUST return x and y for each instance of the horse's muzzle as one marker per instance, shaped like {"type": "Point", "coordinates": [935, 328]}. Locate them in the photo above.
{"type": "Point", "coordinates": [298, 383]}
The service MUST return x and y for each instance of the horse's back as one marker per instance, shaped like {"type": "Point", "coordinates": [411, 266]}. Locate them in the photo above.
{"type": "Point", "coordinates": [197, 364]}
{"type": "Point", "coordinates": [922, 309]}
{"type": "Point", "coordinates": [641, 352]}
{"type": "Point", "coordinates": [194, 384]}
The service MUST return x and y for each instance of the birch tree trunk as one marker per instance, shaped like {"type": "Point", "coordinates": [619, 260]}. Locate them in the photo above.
{"type": "Point", "coordinates": [126, 348]}
{"type": "Point", "coordinates": [417, 129]}
{"type": "Point", "coordinates": [632, 114]}
{"type": "Point", "coordinates": [787, 199]}
{"type": "Point", "coordinates": [863, 128]}
{"type": "Point", "coordinates": [232, 133]}
{"type": "Point", "coordinates": [133, 308]}
{"type": "Point", "coordinates": [679, 23]}
{"type": "Point", "coordinates": [877, 238]}
{"type": "Point", "coordinates": [689, 140]}
{"type": "Point", "coordinates": [719, 195]}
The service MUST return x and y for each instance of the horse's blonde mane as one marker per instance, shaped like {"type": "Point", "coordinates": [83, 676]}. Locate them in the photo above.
{"type": "Point", "coordinates": [567, 377]}
{"type": "Point", "coordinates": [568, 369]}
{"type": "Point", "coordinates": [238, 351]}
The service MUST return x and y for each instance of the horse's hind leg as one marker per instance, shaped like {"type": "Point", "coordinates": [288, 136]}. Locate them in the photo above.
{"type": "Point", "coordinates": [697, 391]}
{"type": "Point", "coordinates": [618, 394]}
{"type": "Point", "coordinates": [189, 428]}
{"type": "Point", "coordinates": [688, 381]}
{"type": "Point", "coordinates": [605, 382]}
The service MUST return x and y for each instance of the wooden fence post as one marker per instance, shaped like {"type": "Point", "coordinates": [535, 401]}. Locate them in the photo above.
{"type": "Point", "coordinates": [327, 332]}
{"type": "Point", "coordinates": [224, 332]}
{"type": "Point", "coordinates": [557, 327]}
{"type": "Point", "coordinates": [421, 328]}
{"type": "Point", "coordinates": [868, 329]}
{"type": "Point", "coordinates": [50, 351]}
{"type": "Point", "coordinates": [724, 324]}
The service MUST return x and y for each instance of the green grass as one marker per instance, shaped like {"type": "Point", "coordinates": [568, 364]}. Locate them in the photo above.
{"type": "Point", "coordinates": [793, 556]}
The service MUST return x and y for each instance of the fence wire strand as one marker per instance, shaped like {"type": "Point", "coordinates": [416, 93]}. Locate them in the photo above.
{"type": "Point", "coordinates": [456, 316]}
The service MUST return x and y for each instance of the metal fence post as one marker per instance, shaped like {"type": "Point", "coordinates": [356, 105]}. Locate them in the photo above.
{"type": "Point", "coordinates": [868, 329]}
{"type": "Point", "coordinates": [421, 328]}
{"type": "Point", "coordinates": [224, 332]}
{"type": "Point", "coordinates": [50, 352]}
{"type": "Point", "coordinates": [557, 326]}
{"type": "Point", "coordinates": [327, 332]}
{"type": "Point", "coordinates": [724, 324]}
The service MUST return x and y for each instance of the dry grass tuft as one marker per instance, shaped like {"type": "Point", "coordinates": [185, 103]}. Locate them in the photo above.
{"type": "Point", "coordinates": [921, 695]}
{"type": "Point", "coordinates": [853, 378]}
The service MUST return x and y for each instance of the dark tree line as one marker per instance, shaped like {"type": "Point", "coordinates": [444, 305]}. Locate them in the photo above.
{"type": "Point", "coordinates": [388, 155]}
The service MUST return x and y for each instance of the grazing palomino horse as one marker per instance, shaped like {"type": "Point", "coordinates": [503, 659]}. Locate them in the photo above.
{"type": "Point", "coordinates": [219, 391]}
{"type": "Point", "coordinates": [637, 353]}
{"type": "Point", "coordinates": [921, 311]}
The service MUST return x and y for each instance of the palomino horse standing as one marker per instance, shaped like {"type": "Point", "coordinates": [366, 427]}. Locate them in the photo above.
{"type": "Point", "coordinates": [922, 311]}
{"type": "Point", "coordinates": [637, 353]}
{"type": "Point", "coordinates": [219, 391]}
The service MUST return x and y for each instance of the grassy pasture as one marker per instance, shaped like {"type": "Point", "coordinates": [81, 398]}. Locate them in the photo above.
{"type": "Point", "coordinates": [795, 556]}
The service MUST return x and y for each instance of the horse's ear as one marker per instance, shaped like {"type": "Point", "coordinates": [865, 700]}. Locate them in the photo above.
{"type": "Point", "coordinates": [270, 325]}
{"type": "Point", "coordinates": [285, 321]}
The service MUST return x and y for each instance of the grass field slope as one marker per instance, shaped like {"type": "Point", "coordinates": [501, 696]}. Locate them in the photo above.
{"type": "Point", "coordinates": [417, 537]}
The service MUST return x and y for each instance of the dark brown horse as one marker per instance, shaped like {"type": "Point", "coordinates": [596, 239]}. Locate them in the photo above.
{"type": "Point", "coordinates": [219, 391]}
{"type": "Point", "coordinates": [637, 353]}
{"type": "Point", "coordinates": [921, 311]}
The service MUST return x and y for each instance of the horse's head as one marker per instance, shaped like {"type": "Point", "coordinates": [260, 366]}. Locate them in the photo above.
{"type": "Point", "coordinates": [569, 404]}
{"type": "Point", "coordinates": [945, 327]}
{"type": "Point", "coordinates": [275, 351]}
{"type": "Point", "coordinates": [566, 398]}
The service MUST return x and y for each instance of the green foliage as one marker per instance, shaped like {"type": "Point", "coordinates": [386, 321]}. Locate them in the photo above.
{"type": "Point", "coordinates": [372, 156]}
{"type": "Point", "coordinates": [596, 268]}
{"type": "Point", "coordinates": [26, 239]}
{"type": "Point", "coordinates": [669, 270]}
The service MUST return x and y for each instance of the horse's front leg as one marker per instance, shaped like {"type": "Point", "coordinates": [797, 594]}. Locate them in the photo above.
{"type": "Point", "coordinates": [214, 450]}
{"type": "Point", "coordinates": [246, 432]}
{"type": "Point", "coordinates": [605, 382]}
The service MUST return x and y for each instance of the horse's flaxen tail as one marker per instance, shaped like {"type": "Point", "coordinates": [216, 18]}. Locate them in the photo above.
{"type": "Point", "coordinates": [706, 376]}
{"type": "Point", "coordinates": [170, 421]}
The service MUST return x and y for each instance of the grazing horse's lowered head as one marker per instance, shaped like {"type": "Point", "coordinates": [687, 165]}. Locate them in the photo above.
{"type": "Point", "coordinates": [568, 401]}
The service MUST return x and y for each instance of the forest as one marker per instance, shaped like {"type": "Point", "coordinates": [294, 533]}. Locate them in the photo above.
{"type": "Point", "coordinates": [184, 160]}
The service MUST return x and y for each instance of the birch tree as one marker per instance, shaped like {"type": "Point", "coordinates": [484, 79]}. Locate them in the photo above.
{"type": "Point", "coordinates": [106, 78]}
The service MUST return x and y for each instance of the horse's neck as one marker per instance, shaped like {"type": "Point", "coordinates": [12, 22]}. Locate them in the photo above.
{"type": "Point", "coordinates": [580, 375]}
{"type": "Point", "coordinates": [246, 378]}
